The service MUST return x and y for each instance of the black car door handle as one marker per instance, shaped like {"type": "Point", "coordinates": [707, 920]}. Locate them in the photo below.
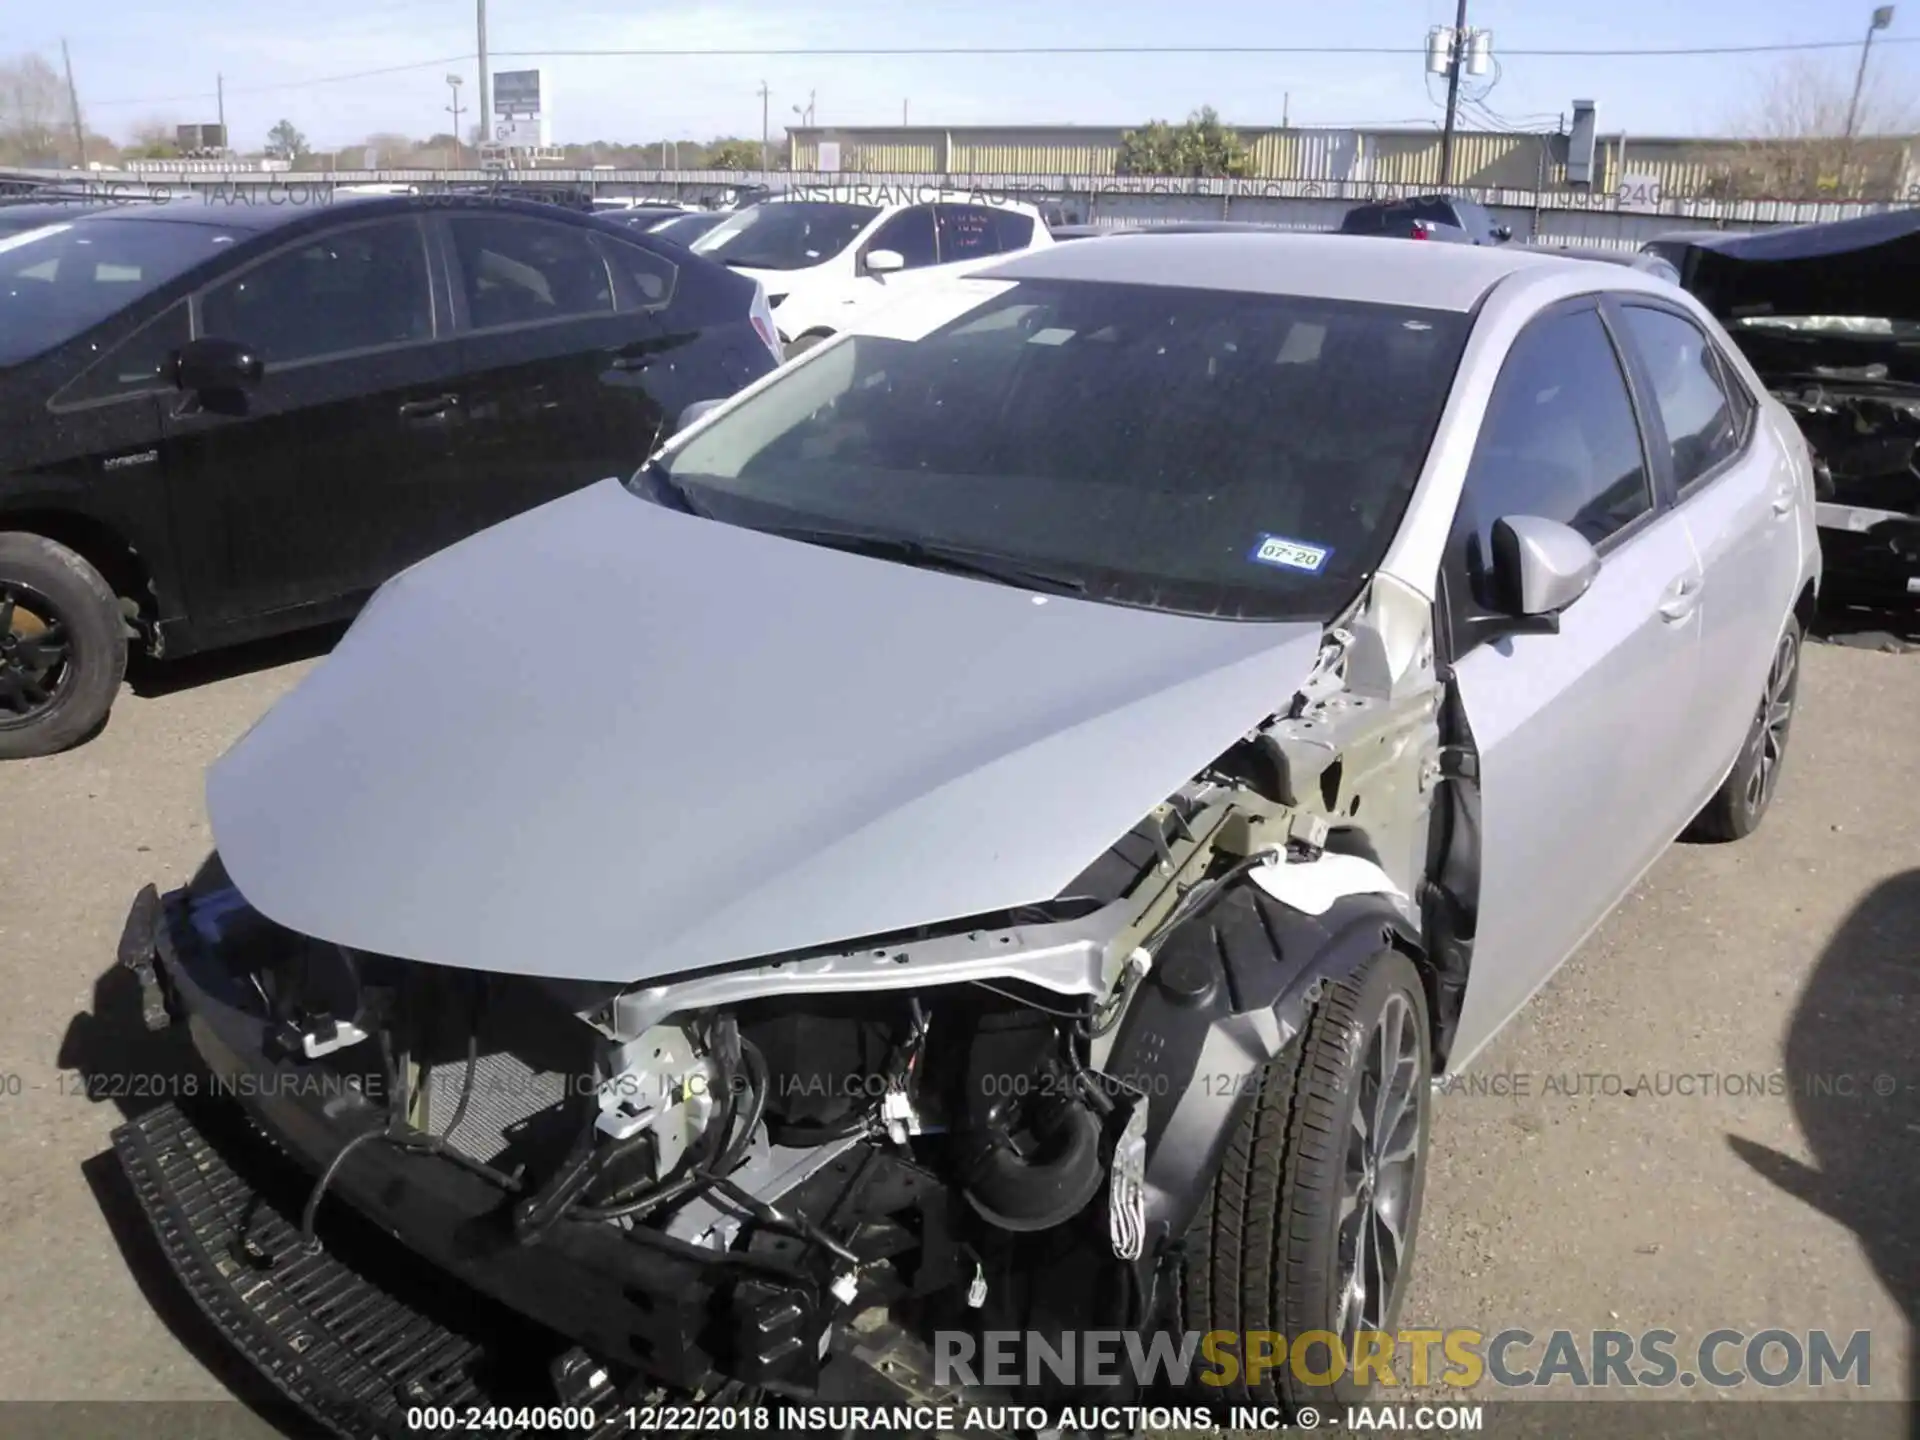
{"type": "Point", "coordinates": [428, 409]}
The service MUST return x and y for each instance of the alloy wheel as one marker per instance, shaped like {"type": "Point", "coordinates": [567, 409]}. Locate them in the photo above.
{"type": "Point", "coordinates": [1770, 724]}
{"type": "Point", "coordinates": [36, 655]}
{"type": "Point", "coordinates": [1383, 1142]}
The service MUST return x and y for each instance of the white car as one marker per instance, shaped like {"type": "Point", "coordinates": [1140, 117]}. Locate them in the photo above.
{"type": "Point", "coordinates": [829, 259]}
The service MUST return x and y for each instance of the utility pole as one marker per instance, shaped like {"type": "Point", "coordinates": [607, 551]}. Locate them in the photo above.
{"type": "Point", "coordinates": [766, 130]}
{"type": "Point", "coordinates": [220, 102]}
{"type": "Point", "coordinates": [903, 114]}
{"type": "Point", "coordinates": [73, 103]}
{"type": "Point", "coordinates": [1882, 18]}
{"type": "Point", "coordinates": [486, 89]}
{"type": "Point", "coordinates": [1456, 59]}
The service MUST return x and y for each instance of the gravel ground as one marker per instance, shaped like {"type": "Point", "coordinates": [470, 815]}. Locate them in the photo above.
{"type": "Point", "coordinates": [1780, 1191]}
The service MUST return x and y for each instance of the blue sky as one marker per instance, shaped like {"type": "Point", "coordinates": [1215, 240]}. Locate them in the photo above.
{"type": "Point", "coordinates": [138, 61]}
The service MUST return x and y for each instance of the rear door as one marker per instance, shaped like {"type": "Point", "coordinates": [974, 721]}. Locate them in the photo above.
{"type": "Point", "coordinates": [323, 481]}
{"type": "Point", "coordinates": [1739, 501]}
{"type": "Point", "coordinates": [561, 351]}
{"type": "Point", "coordinates": [1580, 733]}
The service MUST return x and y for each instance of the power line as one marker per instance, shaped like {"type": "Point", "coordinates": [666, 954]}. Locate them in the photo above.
{"type": "Point", "coordinates": [931, 52]}
{"type": "Point", "coordinates": [990, 50]}
{"type": "Point", "coordinates": [292, 84]}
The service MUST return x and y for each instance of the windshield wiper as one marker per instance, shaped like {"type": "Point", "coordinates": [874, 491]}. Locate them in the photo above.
{"type": "Point", "coordinates": [662, 486]}
{"type": "Point", "coordinates": [955, 560]}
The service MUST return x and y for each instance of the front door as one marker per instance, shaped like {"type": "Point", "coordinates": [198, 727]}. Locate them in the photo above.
{"type": "Point", "coordinates": [1579, 732]}
{"type": "Point", "coordinates": [319, 482]}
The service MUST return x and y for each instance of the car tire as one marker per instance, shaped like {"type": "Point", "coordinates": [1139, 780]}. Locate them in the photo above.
{"type": "Point", "coordinates": [63, 647]}
{"type": "Point", "coordinates": [806, 342]}
{"type": "Point", "coordinates": [1269, 1250]}
{"type": "Point", "coordinates": [1741, 802]}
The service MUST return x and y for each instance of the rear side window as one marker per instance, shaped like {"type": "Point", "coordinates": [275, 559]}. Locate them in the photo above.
{"type": "Point", "coordinates": [967, 232]}
{"type": "Point", "coordinates": [1703, 428]}
{"type": "Point", "coordinates": [642, 280]}
{"type": "Point", "coordinates": [518, 271]}
{"type": "Point", "coordinates": [1014, 229]}
{"type": "Point", "coordinates": [1559, 439]}
{"type": "Point", "coordinates": [331, 294]}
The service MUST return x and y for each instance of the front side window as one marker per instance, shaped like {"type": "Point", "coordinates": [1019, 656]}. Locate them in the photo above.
{"type": "Point", "coordinates": [137, 364]}
{"type": "Point", "coordinates": [785, 234]}
{"type": "Point", "coordinates": [58, 281]}
{"type": "Point", "coordinates": [1208, 452]}
{"type": "Point", "coordinates": [517, 271]}
{"type": "Point", "coordinates": [911, 233]}
{"type": "Point", "coordinates": [331, 294]}
{"type": "Point", "coordinates": [1702, 426]}
{"type": "Point", "coordinates": [1560, 440]}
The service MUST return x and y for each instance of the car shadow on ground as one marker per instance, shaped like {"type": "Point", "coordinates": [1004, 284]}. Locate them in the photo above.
{"type": "Point", "coordinates": [120, 1062]}
{"type": "Point", "coordinates": [1853, 1070]}
{"type": "Point", "coordinates": [150, 679]}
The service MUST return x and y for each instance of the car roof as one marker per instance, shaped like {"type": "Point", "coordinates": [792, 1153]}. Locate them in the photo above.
{"type": "Point", "coordinates": [231, 212]}
{"type": "Point", "coordinates": [1335, 267]}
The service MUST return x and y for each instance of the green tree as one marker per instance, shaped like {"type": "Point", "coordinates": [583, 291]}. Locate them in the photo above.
{"type": "Point", "coordinates": [284, 142]}
{"type": "Point", "coordinates": [729, 154]}
{"type": "Point", "coordinates": [1202, 146]}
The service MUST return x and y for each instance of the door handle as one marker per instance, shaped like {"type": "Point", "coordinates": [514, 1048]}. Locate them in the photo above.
{"type": "Point", "coordinates": [1783, 503]}
{"type": "Point", "coordinates": [428, 409]}
{"type": "Point", "coordinates": [1683, 598]}
{"type": "Point", "coordinates": [630, 363]}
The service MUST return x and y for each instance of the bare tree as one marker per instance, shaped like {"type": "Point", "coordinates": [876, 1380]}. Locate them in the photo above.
{"type": "Point", "coordinates": [1793, 138]}
{"type": "Point", "coordinates": [36, 122]}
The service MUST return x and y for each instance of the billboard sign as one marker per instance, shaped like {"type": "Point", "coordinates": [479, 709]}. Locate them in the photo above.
{"type": "Point", "coordinates": [518, 134]}
{"type": "Point", "coordinates": [516, 92]}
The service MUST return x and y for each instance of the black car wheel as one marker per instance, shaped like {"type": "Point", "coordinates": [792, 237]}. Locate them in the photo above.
{"type": "Point", "coordinates": [1737, 807]}
{"type": "Point", "coordinates": [62, 647]}
{"type": "Point", "coordinates": [1310, 1224]}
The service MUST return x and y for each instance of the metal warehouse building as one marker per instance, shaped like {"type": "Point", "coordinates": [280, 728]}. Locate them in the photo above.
{"type": "Point", "coordinates": [1884, 168]}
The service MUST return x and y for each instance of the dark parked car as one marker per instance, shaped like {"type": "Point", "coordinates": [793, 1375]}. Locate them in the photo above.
{"type": "Point", "coordinates": [1829, 315]}
{"type": "Point", "coordinates": [1428, 217]}
{"type": "Point", "coordinates": [223, 421]}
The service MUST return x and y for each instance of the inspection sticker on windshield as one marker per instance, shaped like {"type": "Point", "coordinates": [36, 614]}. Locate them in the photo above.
{"type": "Point", "coordinates": [1290, 554]}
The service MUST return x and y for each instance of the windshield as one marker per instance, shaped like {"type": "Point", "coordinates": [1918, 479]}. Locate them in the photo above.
{"type": "Point", "coordinates": [688, 228]}
{"type": "Point", "coordinates": [60, 280]}
{"type": "Point", "coordinates": [1208, 452]}
{"type": "Point", "coordinates": [785, 234]}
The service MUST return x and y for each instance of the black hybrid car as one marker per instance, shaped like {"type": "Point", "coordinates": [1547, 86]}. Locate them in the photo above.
{"type": "Point", "coordinates": [221, 420]}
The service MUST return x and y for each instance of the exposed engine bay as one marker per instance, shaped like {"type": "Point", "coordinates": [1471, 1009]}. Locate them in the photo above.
{"type": "Point", "coordinates": [993, 1124]}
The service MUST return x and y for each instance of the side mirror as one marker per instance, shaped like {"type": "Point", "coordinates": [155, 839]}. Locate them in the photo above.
{"type": "Point", "coordinates": [208, 366]}
{"type": "Point", "coordinates": [1540, 567]}
{"type": "Point", "coordinates": [885, 262]}
{"type": "Point", "coordinates": [693, 412]}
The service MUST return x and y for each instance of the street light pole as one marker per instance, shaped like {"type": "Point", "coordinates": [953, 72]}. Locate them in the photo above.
{"type": "Point", "coordinates": [453, 84]}
{"type": "Point", "coordinates": [1881, 19]}
{"type": "Point", "coordinates": [766, 129]}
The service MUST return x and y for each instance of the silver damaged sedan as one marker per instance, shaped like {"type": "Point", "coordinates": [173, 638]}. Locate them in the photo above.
{"type": "Point", "coordinates": [994, 828]}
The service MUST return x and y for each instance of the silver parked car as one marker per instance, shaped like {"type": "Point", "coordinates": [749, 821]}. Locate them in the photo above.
{"type": "Point", "coordinates": [998, 825]}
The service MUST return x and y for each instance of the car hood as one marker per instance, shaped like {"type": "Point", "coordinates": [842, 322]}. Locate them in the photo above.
{"type": "Point", "coordinates": [1869, 266]}
{"type": "Point", "coordinates": [610, 741]}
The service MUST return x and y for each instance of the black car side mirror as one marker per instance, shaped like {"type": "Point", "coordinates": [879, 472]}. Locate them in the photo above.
{"type": "Point", "coordinates": [210, 366]}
